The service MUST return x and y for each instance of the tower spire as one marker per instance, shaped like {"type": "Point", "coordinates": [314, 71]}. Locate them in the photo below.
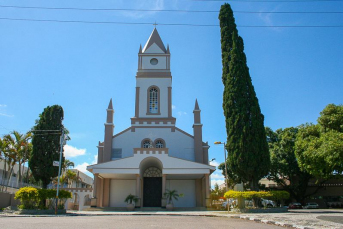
{"type": "Point", "coordinates": [154, 38]}
{"type": "Point", "coordinates": [197, 132]}
{"type": "Point", "coordinates": [108, 134]}
{"type": "Point", "coordinates": [110, 106]}
{"type": "Point", "coordinates": [196, 107]}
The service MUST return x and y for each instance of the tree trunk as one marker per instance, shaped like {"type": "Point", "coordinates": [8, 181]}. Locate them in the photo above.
{"type": "Point", "coordinates": [19, 175]}
{"type": "Point", "coordinates": [3, 176]}
{"type": "Point", "coordinates": [9, 178]}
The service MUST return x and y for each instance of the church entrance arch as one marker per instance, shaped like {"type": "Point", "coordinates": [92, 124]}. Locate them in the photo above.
{"type": "Point", "coordinates": [152, 187]}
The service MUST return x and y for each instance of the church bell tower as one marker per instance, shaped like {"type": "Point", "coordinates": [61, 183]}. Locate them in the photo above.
{"type": "Point", "coordinates": [153, 83]}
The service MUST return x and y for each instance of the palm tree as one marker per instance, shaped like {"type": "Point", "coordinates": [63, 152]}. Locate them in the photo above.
{"type": "Point", "coordinates": [3, 157]}
{"type": "Point", "coordinates": [71, 176]}
{"type": "Point", "coordinates": [18, 150]}
{"type": "Point", "coordinates": [170, 195]}
{"type": "Point", "coordinates": [66, 165]}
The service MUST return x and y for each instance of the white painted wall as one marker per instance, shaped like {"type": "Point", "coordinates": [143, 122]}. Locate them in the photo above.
{"type": "Point", "coordinates": [162, 62]}
{"type": "Point", "coordinates": [187, 188]}
{"type": "Point", "coordinates": [179, 144]}
{"type": "Point", "coordinates": [163, 85]}
{"type": "Point", "coordinates": [119, 190]}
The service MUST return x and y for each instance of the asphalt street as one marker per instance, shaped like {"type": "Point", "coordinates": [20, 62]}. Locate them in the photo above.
{"type": "Point", "coordinates": [128, 222]}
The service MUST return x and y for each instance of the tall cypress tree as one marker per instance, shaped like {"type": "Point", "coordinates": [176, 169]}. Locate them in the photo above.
{"type": "Point", "coordinates": [46, 144]}
{"type": "Point", "coordinates": [248, 154]}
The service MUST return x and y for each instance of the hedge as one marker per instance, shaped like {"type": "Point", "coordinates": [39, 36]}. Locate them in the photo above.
{"type": "Point", "coordinates": [33, 198]}
{"type": "Point", "coordinates": [276, 195]}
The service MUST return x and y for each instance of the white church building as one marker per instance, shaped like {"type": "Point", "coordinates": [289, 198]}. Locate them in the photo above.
{"type": "Point", "coordinates": [152, 155]}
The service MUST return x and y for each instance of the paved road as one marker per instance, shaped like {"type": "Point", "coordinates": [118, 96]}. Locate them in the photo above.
{"type": "Point", "coordinates": [129, 222]}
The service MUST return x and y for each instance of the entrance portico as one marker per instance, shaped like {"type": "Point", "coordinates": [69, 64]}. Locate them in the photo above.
{"type": "Point", "coordinates": [147, 175]}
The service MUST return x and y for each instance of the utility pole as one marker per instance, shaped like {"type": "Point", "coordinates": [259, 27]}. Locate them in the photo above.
{"type": "Point", "coordinates": [59, 169]}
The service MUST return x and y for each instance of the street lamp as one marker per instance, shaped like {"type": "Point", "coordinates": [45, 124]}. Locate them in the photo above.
{"type": "Point", "coordinates": [223, 143]}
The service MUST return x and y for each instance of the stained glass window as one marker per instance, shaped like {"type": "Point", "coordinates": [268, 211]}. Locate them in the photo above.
{"type": "Point", "coordinates": [152, 172]}
{"type": "Point", "coordinates": [153, 101]}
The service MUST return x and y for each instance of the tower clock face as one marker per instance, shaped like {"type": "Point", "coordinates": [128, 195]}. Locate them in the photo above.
{"type": "Point", "coordinates": [153, 61]}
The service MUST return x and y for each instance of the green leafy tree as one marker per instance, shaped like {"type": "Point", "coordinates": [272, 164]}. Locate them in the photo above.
{"type": "Point", "coordinates": [319, 148]}
{"type": "Point", "coordinates": [248, 154]}
{"type": "Point", "coordinates": [284, 169]}
{"type": "Point", "coordinates": [46, 144]}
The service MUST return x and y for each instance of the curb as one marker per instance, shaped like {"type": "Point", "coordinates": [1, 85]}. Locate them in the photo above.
{"type": "Point", "coordinates": [242, 217]}
{"type": "Point", "coordinates": [265, 221]}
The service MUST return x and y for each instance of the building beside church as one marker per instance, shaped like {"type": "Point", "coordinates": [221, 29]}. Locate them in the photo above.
{"type": "Point", "coordinates": [152, 155]}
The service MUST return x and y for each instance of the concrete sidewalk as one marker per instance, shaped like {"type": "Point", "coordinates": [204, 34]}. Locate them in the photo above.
{"type": "Point", "coordinates": [322, 218]}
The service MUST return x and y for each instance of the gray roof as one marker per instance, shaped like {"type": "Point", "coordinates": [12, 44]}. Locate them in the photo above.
{"type": "Point", "coordinates": [155, 38]}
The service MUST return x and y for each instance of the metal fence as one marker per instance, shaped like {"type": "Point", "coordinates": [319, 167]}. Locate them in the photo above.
{"type": "Point", "coordinates": [14, 185]}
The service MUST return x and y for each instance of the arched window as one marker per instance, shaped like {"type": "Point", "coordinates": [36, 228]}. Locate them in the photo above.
{"type": "Point", "coordinates": [159, 143]}
{"type": "Point", "coordinates": [152, 172]}
{"type": "Point", "coordinates": [153, 100]}
{"type": "Point", "coordinates": [147, 143]}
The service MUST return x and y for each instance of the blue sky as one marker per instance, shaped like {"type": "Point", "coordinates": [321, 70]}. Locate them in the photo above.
{"type": "Point", "coordinates": [296, 72]}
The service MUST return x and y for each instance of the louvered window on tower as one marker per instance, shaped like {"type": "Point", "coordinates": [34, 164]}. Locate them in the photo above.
{"type": "Point", "coordinates": [116, 153]}
{"type": "Point", "coordinates": [153, 101]}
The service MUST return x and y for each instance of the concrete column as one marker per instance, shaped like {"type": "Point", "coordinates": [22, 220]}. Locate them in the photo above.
{"type": "Point", "coordinates": [106, 187]}
{"type": "Point", "coordinates": [138, 190]}
{"type": "Point", "coordinates": [101, 193]}
{"type": "Point", "coordinates": [164, 181]}
{"type": "Point", "coordinates": [81, 200]}
{"type": "Point", "coordinates": [207, 190]}
{"type": "Point", "coordinates": [198, 193]}
{"type": "Point", "coordinates": [94, 185]}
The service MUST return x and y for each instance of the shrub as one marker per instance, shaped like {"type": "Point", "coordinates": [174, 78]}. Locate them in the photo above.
{"type": "Point", "coordinates": [33, 198]}
{"type": "Point", "coordinates": [29, 197]}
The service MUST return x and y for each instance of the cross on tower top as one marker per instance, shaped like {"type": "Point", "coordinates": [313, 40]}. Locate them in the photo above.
{"type": "Point", "coordinates": [155, 24]}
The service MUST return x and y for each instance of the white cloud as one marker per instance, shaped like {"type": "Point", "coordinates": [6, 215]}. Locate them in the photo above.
{"type": "Point", "coordinates": [214, 163]}
{"type": "Point", "coordinates": [7, 115]}
{"type": "Point", "coordinates": [217, 176]}
{"type": "Point", "coordinates": [82, 167]}
{"type": "Point", "coordinates": [219, 182]}
{"type": "Point", "coordinates": [3, 105]}
{"type": "Point", "coordinates": [181, 113]}
{"type": "Point", "coordinates": [70, 151]}
{"type": "Point", "coordinates": [95, 161]}
{"type": "Point", "coordinates": [157, 5]}
{"type": "Point", "coordinates": [173, 107]}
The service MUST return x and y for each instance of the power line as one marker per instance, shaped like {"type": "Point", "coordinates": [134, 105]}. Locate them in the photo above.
{"type": "Point", "coordinates": [291, 1]}
{"type": "Point", "coordinates": [171, 24]}
{"type": "Point", "coordinates": [167, 10]}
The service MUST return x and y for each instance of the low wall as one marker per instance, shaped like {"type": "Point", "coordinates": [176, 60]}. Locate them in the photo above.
{"type": "Point", "coordinates": [259, 210]}
{"type": "Point", "coordinates": [7, 199]}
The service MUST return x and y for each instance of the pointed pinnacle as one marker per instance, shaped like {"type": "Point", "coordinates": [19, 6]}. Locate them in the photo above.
{"type": "Point", "coordinates": [110, 105]}
{"type": "Point", "coordinates": [196, 105]}
{"type": "Point", "coordinates": [140, 49]}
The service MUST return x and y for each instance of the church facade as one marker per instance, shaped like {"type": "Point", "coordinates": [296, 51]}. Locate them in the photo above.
{"type": "Point", "coordinates": [152, 155]}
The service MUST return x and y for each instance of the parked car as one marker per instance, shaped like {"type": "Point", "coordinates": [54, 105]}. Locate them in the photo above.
{"type": "Point", "coordinates": [311, 205]}
{"type": "Point", "coordinates": [265, 203]}
{"type": "Point", "coordinates": [295, 206]}
{"type": "Point", "coordinates": [268, 203]}
{"type": "Point", "coordinates": [232, 203]}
